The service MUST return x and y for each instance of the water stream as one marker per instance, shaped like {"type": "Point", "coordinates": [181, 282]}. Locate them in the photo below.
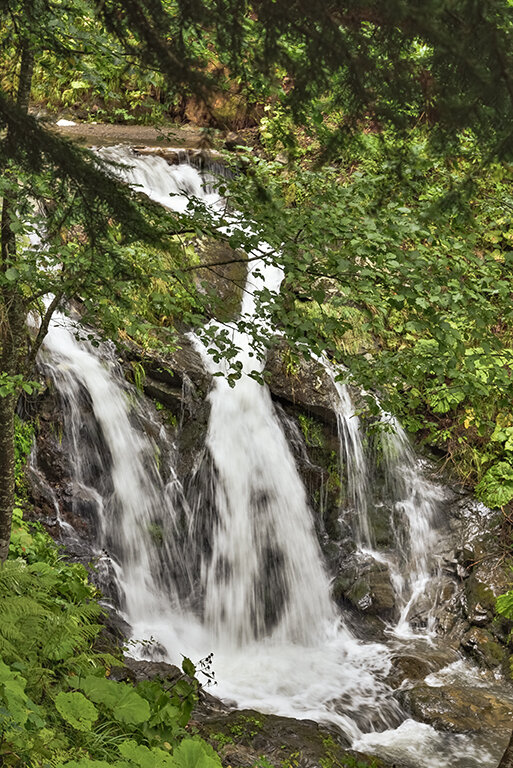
{"type": "Point", "coordinates": [257, 594]}
{"type": "Point", "coordinates": [413, 502]}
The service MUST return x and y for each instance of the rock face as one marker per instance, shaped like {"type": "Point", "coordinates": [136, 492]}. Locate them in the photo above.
{"type": "Point", "coordinates": [304, 385]}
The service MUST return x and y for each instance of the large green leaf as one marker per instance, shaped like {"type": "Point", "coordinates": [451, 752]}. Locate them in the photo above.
{"type": "Point", "coordinates": [125, 704]}
{"type": "Point", "coordinates": [100, 690]}
{"type": "Point", "coordinates": [143, 757]}
{"type": "Point", "coordinates": [131, 708]}
{"type": "Point", "coordinates": [496, 486]}
{"type": "Point", "coordinates": [76, 710]}
{"type": "Point", "coordinates": [195, 753]}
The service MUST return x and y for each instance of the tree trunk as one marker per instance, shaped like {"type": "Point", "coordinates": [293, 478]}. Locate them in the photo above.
{"type": "Point", "coordinates": [7, 405]}
{"type": "Point", "coordinates": [12, 324]}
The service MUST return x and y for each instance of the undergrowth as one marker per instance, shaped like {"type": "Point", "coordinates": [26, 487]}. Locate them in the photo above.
{"type": "Point", "coordinates": [58, 707]}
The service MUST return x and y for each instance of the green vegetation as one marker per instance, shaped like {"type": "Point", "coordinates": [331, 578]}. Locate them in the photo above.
{"type": "Point", "coordinates": [58, 708]}
{"type": "Point", "coordinates": [382, 179]}
{"type": "Point", "coordinates": [311, 430]}
{"type": "Point", "coordinates": [394, 263]}
{"type": "Point", "coordinates": [396, 254]}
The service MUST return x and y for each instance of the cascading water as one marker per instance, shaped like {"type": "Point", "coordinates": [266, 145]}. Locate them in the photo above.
{"type": "Point", "coordinates": [114, 470]}
{"type": "Point", "coordinates": [260, 597]}
{"type": "Point", "coordinates": [413, 501]}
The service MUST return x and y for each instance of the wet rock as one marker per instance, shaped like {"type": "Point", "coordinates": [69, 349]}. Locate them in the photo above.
{"type": "Point", "coordinates": [416, 664]}
{"type": "Point", "coordinates": [481, 646]}
{"type": "Point", "coordinates": [479, 601]}
{"type": "Point", "coordinates": [179, 380]}
{"type": "Point", "coordinates": [460, 709]}
{"type": "Point", "coordinates": [366, 585]}
{"type": "Point", "coordinates": [223, 277]}
{"type": "Point", "coordinates": [380, 519]}
{"type": "Point", "coordinates": [305, 384]}
{"type": "Point", "coordinates": [171, 156]}
{"type": "Point", "coordinates": [244, 736]}
{"type": "Point", "coordinates": [315, 447]}
{"type": "Point", "coordinates": [113, 635]}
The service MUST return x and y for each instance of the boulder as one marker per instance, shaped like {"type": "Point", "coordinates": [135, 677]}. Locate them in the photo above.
{"type": "Point", "coordinates": [366, 585]}
{"type": "Point", "coordinates": [304, 384]}
{"type": "Point", "coordinates": [244, 737]}
{"type": "Point", "coordinates": [460, 709]}
{"type": "Point", "coordinates": [223, 278]}
{"type": "Point", "coordinates": [481, 645]}
{"type": "Point", "coordinates": [416, 664]}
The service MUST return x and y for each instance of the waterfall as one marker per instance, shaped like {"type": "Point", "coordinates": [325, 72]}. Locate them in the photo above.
{"type": "Point", "coordinates": [413, 500]}
{"type": "Point", "coordinates": [259, 595]}
{"type": "Point", "coordinates": [113, 467]}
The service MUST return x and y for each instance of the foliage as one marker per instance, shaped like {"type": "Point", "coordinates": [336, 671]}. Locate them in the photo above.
{"type": "Point", "coordinates": [393, 264]}
{"type": "Point", "coordinates": [311, 430]}
{"type": "Point", "coordinates": [57, 707]}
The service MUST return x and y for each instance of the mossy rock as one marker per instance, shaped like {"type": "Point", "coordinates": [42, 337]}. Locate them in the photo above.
{"type": "Point", "coordinates": [366, 586]}
{"type": "Point", "coordinates": [303, 383]}
{"type": "Point", "coordinates": [244, 737]}
{"type": "Point", "coordinates": [479, 601]}
{"type": "Point", "coordinates": [223, 278]}
{"type": "Point", "coordinates": [482, 646]}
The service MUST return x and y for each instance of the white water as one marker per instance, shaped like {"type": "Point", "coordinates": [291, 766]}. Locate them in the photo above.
{"type": "Point", "coordinates": [413, 501]}
{"type": "Point", "coordinates": [279, 644]}
{"type": "Point", "coordinates": [134, 499]}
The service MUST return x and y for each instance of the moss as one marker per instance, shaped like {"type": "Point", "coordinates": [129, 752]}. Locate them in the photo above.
{"type": "Point", "coordinates": [312, 431]}
{"type": "Point", "coordinates": [169, 418]}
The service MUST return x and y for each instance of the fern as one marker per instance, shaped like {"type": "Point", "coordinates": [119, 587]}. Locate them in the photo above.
{"type": "Point", "coordinates": [44, 631]}
{"type": "Point", "coordinates": [57, 707]}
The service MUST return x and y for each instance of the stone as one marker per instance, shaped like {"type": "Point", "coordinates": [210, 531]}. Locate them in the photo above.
{"type": "Point", "coordinates": [418, 664]}
{"type": "Point", "coordinates": [234, 140]}
{"type": "Point", "coordinates": [304, 384]}
{"type": "Point", "coordinates": [245, 736]}
{"type": "Point", "coordinates": [481, 645]}
{"type": "Point", "coordinates": [479, 601]}
{"type": "Point", "coordinates": [222, 279]}
{"type": "Point", "coordinates": [460, 709]}
{"type": "Point", "coordinates": [366, 585]}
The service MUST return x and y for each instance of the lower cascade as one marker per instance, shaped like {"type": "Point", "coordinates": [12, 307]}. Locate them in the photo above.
{"type": "Point", "coordinates": [230, 563]}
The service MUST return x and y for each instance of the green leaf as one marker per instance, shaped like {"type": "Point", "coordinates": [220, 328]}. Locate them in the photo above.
{"type": "Point", "coordinates": [496, 487]}
{"type": "Point", "coordinates": [143, 757]}
{"type": "Point", "coordinates": [504, 604]}
{"type": "Point", "coordinates": [125, 704]}
{"type": "Point", "coordinates": [100, 690]}
{"type": "Point", "coordinates": [195, 753]}
{"type": "Point", "coordinates": [11, 274]}
{"type": "Point", "coordinates": [76, 710]}
{"type": "Point", "coordinates": [188, 667]}
{"type": "Point", "coordinates": [131, 708]}
{"type": "Point", "coordinates": [444, 399]}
